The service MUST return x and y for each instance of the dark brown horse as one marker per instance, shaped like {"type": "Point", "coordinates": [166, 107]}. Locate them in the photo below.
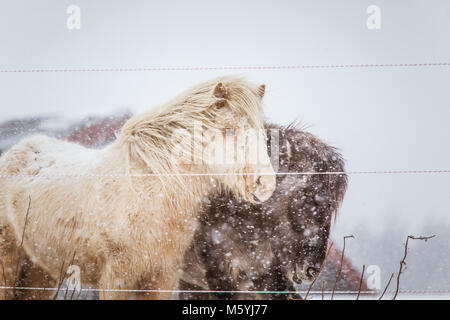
{"type": "Point", "coordinates": [240, 246]}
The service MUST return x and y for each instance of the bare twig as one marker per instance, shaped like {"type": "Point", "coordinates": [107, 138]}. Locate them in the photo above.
{"type": "Point", "coordinates": [73, 289]}
{"type": "Point", "coordinates": [61, 280]}
{"type": "Point", "coordinates": [340, 268]}
{"type": "Point", "coordinates": [73, 292]}
{"type": "Point", "coordinates": [360, 282]}
{"type": "Point", "coordinates": [387, 286]}
{"type": "Point", "coordinates": [403, 261]}
{"type": "Point", "coordinates": [323, 289]}
{"type": "Point", "coordinates": [65, 293]}
{"type": "Point", "coordinates": [320, 270]}
{"type": "Point", "coordinates": [78, 295]}
{"type": "Point", "coordinates": [26, 221]}
{"type": "Point", "coordinates": [67, 288]}
{"type": "Point", "coordinates": [16, 274]}
{"type": "Point", "coordinates": [4, 275]}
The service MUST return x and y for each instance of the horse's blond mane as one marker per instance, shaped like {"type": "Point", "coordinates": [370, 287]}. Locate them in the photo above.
{"type": "Point", "coordinates": [153, 135]}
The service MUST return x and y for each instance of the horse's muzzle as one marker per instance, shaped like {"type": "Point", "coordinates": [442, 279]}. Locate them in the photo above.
{"type": "Point", "coordinates": [263, 187]}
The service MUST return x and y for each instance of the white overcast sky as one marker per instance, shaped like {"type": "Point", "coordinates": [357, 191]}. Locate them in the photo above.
{"type": "Point", "coordinates": [380, 118]}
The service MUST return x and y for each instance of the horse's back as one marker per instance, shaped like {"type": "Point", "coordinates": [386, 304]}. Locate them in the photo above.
{"type": "Point", "coordinates": [35, 192]}
{"type": "Point", "coordinates": [37, 153]}
{"type": "Point", "coordinates": [24, 166]}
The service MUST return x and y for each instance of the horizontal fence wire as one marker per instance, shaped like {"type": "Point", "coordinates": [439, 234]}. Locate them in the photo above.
{"type": "Point", "coordinates": [236, 68]}
{"type": "Point", "coordinates": [225, 174]}
{"type": "Point", "coordinates": [159, 291]}
{"type": "Point", "coordinates": [223, 291]}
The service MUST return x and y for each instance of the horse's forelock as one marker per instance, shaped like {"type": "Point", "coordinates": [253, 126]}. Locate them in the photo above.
{"type": "Point", "coordinates": [154, 130]}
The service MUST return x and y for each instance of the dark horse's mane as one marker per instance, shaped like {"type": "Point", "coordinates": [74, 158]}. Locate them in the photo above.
{"type": "Point", "coordinates": [240, 246]}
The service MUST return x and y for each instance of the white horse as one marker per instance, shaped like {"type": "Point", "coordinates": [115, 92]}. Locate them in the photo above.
{"type": "Point", "coordinates": [126, 214]}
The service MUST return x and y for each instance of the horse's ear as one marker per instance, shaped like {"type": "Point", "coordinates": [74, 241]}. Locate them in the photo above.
{"type": "Point", "coordinates": [220, 103]}
{"type": "Point", "coordinates": [220, 91]}
{"type": "Point", "coordinates": [261, 90]}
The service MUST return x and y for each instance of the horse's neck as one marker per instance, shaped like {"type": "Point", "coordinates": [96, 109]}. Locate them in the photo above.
{"type": "Point", "coordinates": [186, 198]}
{"type": "Point", "coordinates": [178, 194]}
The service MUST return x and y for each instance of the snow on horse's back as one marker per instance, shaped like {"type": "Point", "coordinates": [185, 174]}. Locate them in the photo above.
{"type": "Point", "coordinates": [123, 214]}
{"type": "Point", "coordinates": [43, 155]}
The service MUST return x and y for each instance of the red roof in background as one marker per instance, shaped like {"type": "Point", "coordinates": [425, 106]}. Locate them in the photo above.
{"type": "Point", "coordinates": [99, 132]}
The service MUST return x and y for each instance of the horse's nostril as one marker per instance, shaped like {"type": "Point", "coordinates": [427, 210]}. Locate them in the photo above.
{"type": "Point", "coordinates": [258, 181]}
{"type": "Point", "coordinates": [312, 272]}
{"type": "Point", "coordinates": [296, 279]}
